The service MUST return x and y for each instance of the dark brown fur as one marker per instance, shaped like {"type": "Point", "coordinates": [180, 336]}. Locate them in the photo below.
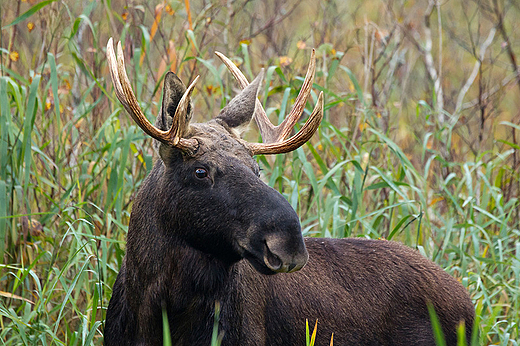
{"type": "Point", "coordinates": [193, 242]}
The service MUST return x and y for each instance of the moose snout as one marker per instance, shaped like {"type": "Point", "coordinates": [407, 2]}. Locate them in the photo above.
{"type": "Point", "coordinates": [273, 242]}
{"type": "Point", "coordinates": [284, 254]}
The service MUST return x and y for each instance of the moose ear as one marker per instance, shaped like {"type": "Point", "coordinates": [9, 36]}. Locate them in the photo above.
{"type": "Point", "coordinates": [239, 111]}
{"type": "Point", "coordinates": [173, 90]}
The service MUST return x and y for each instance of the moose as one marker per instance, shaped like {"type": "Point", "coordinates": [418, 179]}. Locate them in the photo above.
{"type": "Point", "coordinates": [204, 228]}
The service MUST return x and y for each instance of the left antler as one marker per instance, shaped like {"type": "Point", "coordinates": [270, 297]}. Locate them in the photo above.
{"type": "Point", "coordinates": [127, 98]}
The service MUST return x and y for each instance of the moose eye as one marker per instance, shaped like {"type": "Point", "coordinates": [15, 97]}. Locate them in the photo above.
{"type": "Point", "coordinates": [201, 173]}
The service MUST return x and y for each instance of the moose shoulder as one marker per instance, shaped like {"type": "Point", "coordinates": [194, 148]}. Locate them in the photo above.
{"type": "Point", "coordinates": [204, 229]}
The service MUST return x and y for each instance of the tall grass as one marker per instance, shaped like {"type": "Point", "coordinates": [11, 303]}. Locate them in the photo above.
{"type": "Point", "coordinates": [390, 160]}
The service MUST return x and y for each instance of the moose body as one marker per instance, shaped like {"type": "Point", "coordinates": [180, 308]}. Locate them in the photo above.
{"type": "Point", "coordinates": [366, 292]}
{"type": "Point", "coordinates": [204, 228]}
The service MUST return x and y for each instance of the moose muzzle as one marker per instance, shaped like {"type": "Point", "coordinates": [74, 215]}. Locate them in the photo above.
{"type": "Point", "coordinates": [283, 254]}
{"type": "Point", "coordinates": [275, 242]}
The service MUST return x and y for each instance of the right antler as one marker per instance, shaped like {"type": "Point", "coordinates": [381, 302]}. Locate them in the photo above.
{"type": "Point", "coordinates": [127, 98]}
{"type": "Point", "coordinates": [274, 136]}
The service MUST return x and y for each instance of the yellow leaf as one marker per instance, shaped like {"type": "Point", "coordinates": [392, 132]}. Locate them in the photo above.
{"type": "Point", "coordinates": [169, 10]}
{"type": "Point", "coordinates": [188, 12]}
{"type": "Point", "coordinates": [124, 16]}
{"type": "Point", "coordinates": [157, 20]}
{"type": "Point", "coordinates": [153, 30]}
{"type": "Point", "coordinates": [14, 56]}
{"type": "Point", "coordinates": [435, 200]}
{"type": "Point", "coordinates": [285, 61]}
{"type": "Point", "coordinates": [65, 87]}
{"type": "Point", "coordinates": [313, 337]}
{"type": "Point", "coordinates": [246, 42]}
{"type": "Point", "coordinates": [429, 144]}
{"type": "Point", "coordinates": [79, 123]}
{"type": "Point", "coordinates": [30, 26]}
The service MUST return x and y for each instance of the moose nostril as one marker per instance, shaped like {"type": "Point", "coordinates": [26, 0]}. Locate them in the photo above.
{"type": "Point", "coordinates": [271, 260]}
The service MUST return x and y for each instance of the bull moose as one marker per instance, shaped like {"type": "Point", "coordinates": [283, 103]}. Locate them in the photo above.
{"type": "Point", "coordinates": [205, 228]}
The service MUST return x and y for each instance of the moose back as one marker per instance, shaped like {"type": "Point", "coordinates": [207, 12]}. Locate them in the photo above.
{"type": "Point", "coordinates": [204, 228]}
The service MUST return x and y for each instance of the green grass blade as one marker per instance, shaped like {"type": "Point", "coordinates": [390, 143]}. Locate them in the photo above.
{"type": "Point", "coordinates": [30, 117]}
{"type": "Point", "coordinates": [167, 338]}
{"type": "Point", "coordinates": [3, 221]}
{"type": "Point", "coordinates": [436, 325]}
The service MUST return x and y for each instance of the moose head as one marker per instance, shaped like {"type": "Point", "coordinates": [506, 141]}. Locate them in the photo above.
{"type": "Point", "coordinates": [209, 194]}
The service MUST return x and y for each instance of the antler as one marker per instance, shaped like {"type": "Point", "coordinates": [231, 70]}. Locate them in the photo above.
{"type": "Point", "coordinates": [274, 136]}
{"type": "Point", "coordinates": [127, 98]}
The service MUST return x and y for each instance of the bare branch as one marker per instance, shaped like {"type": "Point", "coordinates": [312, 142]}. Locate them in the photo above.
{"type": "Point", "coordinates": [476, 68]}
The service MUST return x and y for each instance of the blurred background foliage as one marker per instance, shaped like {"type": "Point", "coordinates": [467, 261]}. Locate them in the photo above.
{"type": "Point", "coordinates": [420, 140]}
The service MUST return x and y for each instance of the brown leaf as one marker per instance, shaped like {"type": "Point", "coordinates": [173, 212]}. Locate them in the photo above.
{"type": "Point", "coordinates": [31, 226]}
{"type": "Point", "coordinates": [14, 296]}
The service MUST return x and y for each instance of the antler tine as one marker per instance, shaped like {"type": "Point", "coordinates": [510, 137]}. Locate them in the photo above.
{"type": "Point", "coordinates": [267, 129]}
{"type": "Point", "coordinates": [296, 141]}
{"type": "Point", "coordinates": [114, 73]}
{"type": "Point", "coordinates": [287, 125]}
{"type": "Point", "coordinates": [181, 117]}
{"type": "Point", "coordinates": [239, 76]}
{"type": "Point", "coordinates": [127, 98]}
